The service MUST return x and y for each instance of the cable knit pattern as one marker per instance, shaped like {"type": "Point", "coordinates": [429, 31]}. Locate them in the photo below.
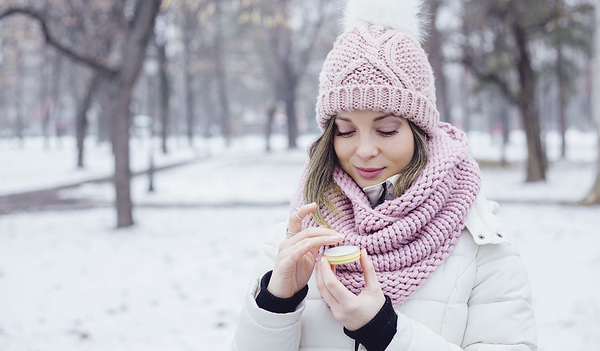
{"type": "Point", "coordinates": [375, 68]}
{"type": "Point", "coordinates": [407, 238]}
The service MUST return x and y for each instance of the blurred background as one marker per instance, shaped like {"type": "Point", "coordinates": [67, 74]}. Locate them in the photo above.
{"type": "Point", "coordinates": [146, 147]}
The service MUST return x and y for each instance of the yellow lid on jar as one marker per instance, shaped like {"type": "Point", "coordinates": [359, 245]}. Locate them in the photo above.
{"type": "Point", "coordinates": [342, 254]}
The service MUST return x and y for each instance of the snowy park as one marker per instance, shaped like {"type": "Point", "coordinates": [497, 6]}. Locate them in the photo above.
{"type": "Point", "coordinates": [175, 280]}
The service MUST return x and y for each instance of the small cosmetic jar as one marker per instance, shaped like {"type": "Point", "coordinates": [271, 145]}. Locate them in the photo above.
{"type": "Point", "coordinates": [342, 254]}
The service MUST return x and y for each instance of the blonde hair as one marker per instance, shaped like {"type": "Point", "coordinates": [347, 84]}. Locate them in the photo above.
{"type": "Point", "coordinates": [319, 185]}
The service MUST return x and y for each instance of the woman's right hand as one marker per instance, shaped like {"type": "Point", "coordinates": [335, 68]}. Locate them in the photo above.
{"type": "Point", "coordinates": [297, 254]}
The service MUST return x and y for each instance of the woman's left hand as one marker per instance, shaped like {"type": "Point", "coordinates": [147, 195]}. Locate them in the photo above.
{"type": "Point", "coordinates": [349, 309]}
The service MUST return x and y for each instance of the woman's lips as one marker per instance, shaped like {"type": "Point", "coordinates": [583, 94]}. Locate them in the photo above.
{"type": "Point", "coordinates": [369, 172]}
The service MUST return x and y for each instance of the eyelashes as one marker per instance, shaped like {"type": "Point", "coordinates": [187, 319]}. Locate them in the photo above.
{"type": "Point", "coordinates": [380, 132]}
{"type": "Point", "coordinates": [341, 134]}
{"type": "Point", "coordinates": [392, 133]}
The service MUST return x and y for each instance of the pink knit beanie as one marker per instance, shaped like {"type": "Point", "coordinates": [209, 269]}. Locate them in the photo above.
{"type": "Point", "coordinates": [377, 64]}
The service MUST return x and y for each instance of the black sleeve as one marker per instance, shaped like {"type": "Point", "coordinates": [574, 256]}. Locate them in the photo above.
{"type": "Point", "coordinates": [272, 303]}
{"type": "Point", "coordinates": [379, 332]}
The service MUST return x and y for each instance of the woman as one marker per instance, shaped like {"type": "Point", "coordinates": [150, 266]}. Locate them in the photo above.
{"type": "Point", "coordinates": [436, 270]}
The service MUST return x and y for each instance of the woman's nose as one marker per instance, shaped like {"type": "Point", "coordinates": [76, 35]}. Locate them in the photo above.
{"type": "Point", "coordinates": [366, 148]}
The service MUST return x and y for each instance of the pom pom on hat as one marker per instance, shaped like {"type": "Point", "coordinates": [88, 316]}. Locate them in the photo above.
{"type": "Point", "coordinates": [377, 64]}
{"type": "Point", "coordinates": [403, 15]}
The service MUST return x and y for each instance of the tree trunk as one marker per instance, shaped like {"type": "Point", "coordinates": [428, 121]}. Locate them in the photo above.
{"type": "Point", "coordinates": [105, 118]}
{"type": "Point", "coordinates": [220, 76]}
{"type": "Point", "coordinates": [536, 160]}
{"type": "Point", "coordinates": [50, 88]}
{"type": "Point", "coordinates": [20, 91]}
{"type": "Point", "coordinates": [269, 126]}
{"type": "Point", "coordinates": [593, 196]}
{"type": "Point", "coordinates": [188, 81]}
{"type": "Point", "coordinates": [122, 85]}
{"type": "Point", "coordinates": [465, 97]}
{"type": "Point", "coordinates": [165, 97]}
{"type": "Point", "coordinates": [190, 118]}
{"type": "Point", "coordinates": [81, 121]}
{"type": "Point", "coordinates": [121, 96]}
{"type": "Point", "coordinates": [562, 101]}
{"type": "Point", "coordinates": [207, 119]}
{"type": "Point", "coordinates": [433, 44]}
{"type": "Point", "coordinates": [287, 82]}
{"type": "Point", "coordinates": [505, 122]}
{"type": "Point", "coordinates": [290, 110]}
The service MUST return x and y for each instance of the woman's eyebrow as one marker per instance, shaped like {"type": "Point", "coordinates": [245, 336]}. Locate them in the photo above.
{"type": "Point", "coordinates": [384, 116]}
{"type": "Point", "coordinates": [346, 119]}
{"type": "Point", "coordinates": [341, 118]}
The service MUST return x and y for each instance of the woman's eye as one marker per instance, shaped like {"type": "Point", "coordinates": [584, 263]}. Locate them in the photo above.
{"type": "Point", "coordinates": [343, 134]}
{"type": "Point", "coordinates": [390, 133]}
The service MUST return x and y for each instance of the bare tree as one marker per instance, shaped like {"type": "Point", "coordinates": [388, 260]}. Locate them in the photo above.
{"type": "Point", "coordinates": [498, 50]}
{"type": "Point", "coordinates": [119, 77]}
{"type": "Point", "coordinates": [433, 45]}
{"type": "Point", "coordinates": [164, 95]}
{"type": "Point", "coordinates": [190, 29]}
{"type": "Point", "coordinates": [593, 196]}
{"type": "Point", "coordinates": [508, 60]}
{"type": "Point", "coordinates": [568, 32]}
{"type": "Point", "coordinates": [292, 29]}
{"type": "Point", "coordinates": [81, 121]}
{"type": "Point", "coordinates": [206, 65]}
{"type": "Point", "coordinates": [220, 73]}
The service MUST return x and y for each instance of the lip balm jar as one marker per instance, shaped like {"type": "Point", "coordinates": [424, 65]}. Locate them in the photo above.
{"type": "Point", "coordinates": [342, 254]}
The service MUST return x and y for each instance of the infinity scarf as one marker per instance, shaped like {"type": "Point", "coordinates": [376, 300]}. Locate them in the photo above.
{"type": "Point", "coordinates": [408, 237]}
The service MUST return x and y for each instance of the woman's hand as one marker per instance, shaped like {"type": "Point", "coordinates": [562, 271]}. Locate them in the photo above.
{"type": "Point", "coordinates": [351, 310]}
{"type": "Point", "coordinates": [298, 253]}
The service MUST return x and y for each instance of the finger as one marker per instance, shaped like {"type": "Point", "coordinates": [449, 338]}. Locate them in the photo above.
{"type": "Point", "coordinates": [321, 286]}
{"type": "Point", "coordinates": [295, 249]}
{"type": "Point", "coordinates": [338, 291]}
{"type": "Point", "coordinates": [317, 232]}
{"type": "Point", "coordinates": [293, 255]}
{"type": "Point", "coordinates": [316, 243]}
{"type": "Point", "coordinates": [297, 215]}
{"type": "Point", "coordinates": [371, 281]}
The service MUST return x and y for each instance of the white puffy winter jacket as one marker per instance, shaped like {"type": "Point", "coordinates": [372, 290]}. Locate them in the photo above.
{"type": "Point", "coordinates": [478, 299]}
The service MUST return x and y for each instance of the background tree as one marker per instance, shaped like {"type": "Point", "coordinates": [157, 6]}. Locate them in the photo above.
{"type": "Point", "coordinates": [292, 30]}
{"type": "Point", "coordinates": [137, 20]}
{"type": "Point", "coordinates": [188, 13]}
{"type": "Point", "coordinates": [593, 196]}
{"type": "Point", "coordinates": [497, 51]}
{"type": "Point", "coordinates": [568, 33]}
{"type": "Point", "coordinates": [434, 48]}
{"type": "Point", "coordinates": [499, 38]}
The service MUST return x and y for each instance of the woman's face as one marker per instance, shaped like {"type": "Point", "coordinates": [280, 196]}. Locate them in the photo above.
{"type": "Point", "coordinates": [372, 146]}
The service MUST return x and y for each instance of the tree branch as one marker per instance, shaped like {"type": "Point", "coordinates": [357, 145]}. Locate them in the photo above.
{"type": "Point", "coordinates": [306, 54]}
{"type": "Point", "coordinates": [50, 40]}
{"type": "Point", "coordinates": [490, 77]}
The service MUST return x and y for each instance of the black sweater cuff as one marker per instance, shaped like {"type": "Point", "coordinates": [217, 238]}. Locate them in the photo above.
{"type": "Point", "coordinates": [272, 303]}
{"type": "Point", "coordinates": [379, 332]}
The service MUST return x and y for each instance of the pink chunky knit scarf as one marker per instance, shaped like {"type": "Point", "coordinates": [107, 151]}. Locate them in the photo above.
{"type": "Point", "coordinates": [409, 237]}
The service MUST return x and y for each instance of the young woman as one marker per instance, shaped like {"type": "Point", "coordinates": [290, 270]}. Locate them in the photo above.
{"type": "Point", "coordinates": [436, 271]}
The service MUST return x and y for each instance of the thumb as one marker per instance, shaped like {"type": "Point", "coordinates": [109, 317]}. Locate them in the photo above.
{"type": "Point", "coordinates": [371, 281]}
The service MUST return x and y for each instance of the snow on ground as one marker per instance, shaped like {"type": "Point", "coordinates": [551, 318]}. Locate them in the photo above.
{"type": "Point", "coordinates": [176, 280]}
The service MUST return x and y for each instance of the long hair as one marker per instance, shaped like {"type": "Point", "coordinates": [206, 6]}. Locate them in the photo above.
{"type": "Point", "coordinates": [319, 185]}
{"type": "Point", "coordinates": [417, 163]}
